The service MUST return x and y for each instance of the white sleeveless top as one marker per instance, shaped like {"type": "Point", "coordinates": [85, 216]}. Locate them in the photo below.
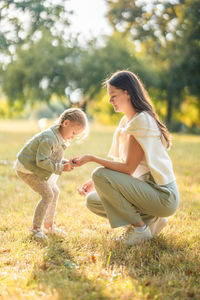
{"type": "Point", "coordinates": [145, 130]}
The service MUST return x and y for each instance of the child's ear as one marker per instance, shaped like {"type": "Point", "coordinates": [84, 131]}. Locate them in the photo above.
{"type": "Point", "coordinates": [66, 123]}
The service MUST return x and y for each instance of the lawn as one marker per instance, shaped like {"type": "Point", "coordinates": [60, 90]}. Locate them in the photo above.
{"type": "Point", "coordinates": [88, 264]}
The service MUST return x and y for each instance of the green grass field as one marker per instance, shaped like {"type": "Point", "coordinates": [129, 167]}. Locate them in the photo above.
{"type": "Point", "coordinates": [88, 264]}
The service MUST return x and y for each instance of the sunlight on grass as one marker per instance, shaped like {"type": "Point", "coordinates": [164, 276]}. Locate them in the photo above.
{"type": "Point", "coordinates": [88, 264]}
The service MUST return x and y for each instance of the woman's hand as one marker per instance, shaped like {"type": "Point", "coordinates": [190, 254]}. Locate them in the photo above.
{"type": "Point", "coordinates": [86, 188]}
{"type": "Point", "coordinates": [79, 161]}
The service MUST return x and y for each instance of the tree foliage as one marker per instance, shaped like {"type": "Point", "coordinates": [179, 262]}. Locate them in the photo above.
{"type": "Point", "coordinates": [41, 59]}
{"type": "Point", "coordinates": [38, 52]}
{"type": "Point", "coordinates": [118, 53]}
{"type": "Point", "coordinates": [49, 66]}
{"type": "Point", "coordinates": [170, 32]}
{"type": "Point", "coordinates": [22, 21]}
{"type": "Point", "coordinates": [43, 69]}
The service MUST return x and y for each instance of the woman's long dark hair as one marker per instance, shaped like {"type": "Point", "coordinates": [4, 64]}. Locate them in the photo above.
{"type": "Point", "coordinates": [128, 81]}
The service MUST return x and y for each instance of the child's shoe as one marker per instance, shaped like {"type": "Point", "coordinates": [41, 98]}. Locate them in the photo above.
{"type": "Point", "coordinates": [132, 236]}
{"type": "Point", "coordinates": [157, 224]}
{"type": "Point", "coordinates": [54, 231]}
{"type": "Point", "coordinates": [38, 235]}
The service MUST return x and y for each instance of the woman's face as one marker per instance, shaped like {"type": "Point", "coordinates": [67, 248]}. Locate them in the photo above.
{"type": "Point", "coordinates": [120, 99]}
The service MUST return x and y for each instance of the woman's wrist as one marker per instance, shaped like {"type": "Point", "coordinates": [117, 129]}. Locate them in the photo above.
{"type": "Point", "coordinates": [95, 159]}
{"type": "Point", "coordinates": [91, 158]}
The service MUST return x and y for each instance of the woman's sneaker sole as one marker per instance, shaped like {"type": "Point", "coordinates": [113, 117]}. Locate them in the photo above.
{"type": "Point", "coordinates": [157, 226]}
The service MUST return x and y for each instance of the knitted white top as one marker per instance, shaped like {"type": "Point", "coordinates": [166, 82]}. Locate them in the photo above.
{"type": "Point", "coordinates": [145, 130]}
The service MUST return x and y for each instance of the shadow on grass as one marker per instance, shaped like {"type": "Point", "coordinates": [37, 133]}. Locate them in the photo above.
{"type": "Point", "coordinates": [163, 267]}
{"type": "Point", "coordinates": [59, 274]}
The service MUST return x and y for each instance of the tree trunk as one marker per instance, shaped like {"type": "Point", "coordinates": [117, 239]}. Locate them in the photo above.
{"type": "Point", "coordinates": [169, 111]}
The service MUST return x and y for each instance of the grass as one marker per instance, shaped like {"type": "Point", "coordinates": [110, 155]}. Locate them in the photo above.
{"type": "Point", "coordinates": [88, 264]}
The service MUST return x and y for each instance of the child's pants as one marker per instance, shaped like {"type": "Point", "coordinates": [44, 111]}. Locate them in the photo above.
{"type": "Point", "coordinates": [48, 190]}
{"type": "Point", "coordinates": [125, 200]}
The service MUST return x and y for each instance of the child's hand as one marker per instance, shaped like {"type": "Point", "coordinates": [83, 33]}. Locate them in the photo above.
{"type": "Point", "coordinates": [86, 188]}
{"type": "Point", "coordinates": [77, 162]}
{"type": "Point", "coordinates": [68, 167]}
{"type": "Point", "coordinates": [64, 161]}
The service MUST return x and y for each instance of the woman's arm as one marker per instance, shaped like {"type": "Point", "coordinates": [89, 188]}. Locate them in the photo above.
{"type": "Point", "coordinates": [134, 156]}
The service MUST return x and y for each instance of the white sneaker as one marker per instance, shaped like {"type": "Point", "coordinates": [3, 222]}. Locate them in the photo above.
{"type": "Point", "coordinates": [132, 237]}
{"type": "Point", "coordinates": [157, 224]}
{"type": "Point", "coordinates": [38, 235]}
{"type": "Point", "coordinates": [54, 231]}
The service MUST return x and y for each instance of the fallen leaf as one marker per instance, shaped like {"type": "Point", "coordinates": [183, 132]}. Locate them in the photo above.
{"type": "Point", "coordinates": [93, 258]}
{"type": "Point", "coordinates": [5, 251]}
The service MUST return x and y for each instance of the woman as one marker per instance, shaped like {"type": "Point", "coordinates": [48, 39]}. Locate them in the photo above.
{"type": "Point", "coordinates": [139, 187]}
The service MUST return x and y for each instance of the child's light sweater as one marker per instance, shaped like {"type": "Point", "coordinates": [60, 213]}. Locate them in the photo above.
{"type": "Point", "coordinates": [145, 130]}
{"type": "Point", "coordinates": [43, 154]}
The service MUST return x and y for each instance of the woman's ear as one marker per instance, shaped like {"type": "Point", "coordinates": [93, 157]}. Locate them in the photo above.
{"type": "Point", "coordinates": [126, 92]}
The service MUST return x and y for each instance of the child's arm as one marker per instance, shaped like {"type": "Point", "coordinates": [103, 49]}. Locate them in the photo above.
{"type": "Point", "coordinates": [43, 160]}
{"type": "Point", "coordinates": [64, 161]}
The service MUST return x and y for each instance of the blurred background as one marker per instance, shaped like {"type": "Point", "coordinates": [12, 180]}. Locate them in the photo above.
{"type": "Point", "coordinates": [55, 54]}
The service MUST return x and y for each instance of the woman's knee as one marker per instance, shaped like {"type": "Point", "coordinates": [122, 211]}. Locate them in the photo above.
{"type": "Point", "coordinates": [98, 173]}
{"type": "Point", "coordinates": [166, 211]}
{"type": "Point", "coordinates": [89, 201]}
{"type": "Point", "coordinates": [169, 212]}
{"type": "Point", "coordinates": [92, 200]}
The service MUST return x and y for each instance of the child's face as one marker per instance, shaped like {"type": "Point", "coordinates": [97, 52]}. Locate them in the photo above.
{"type": "Point", "coordinates": [70, 129]}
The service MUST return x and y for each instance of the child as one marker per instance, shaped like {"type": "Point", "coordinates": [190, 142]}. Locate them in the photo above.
{"type": "Point", "coordinates": [40, 162]}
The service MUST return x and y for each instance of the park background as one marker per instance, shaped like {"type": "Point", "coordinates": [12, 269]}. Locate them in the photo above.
{"type": "Point", "coordinates": [50, 62]}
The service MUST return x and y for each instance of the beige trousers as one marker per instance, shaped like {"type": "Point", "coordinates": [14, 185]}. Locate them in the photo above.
{"type": "Point", "coordinates": [125, 200]}
{"type": "Point", "coordinates": [48, 190]}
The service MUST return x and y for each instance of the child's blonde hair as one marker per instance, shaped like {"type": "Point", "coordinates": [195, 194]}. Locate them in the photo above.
{"type": "Point", "coordinates": [74, 115]}
{"type": "Point", "coordinates": [77, 116]}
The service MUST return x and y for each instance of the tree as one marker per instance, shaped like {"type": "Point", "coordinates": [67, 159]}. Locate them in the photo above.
{"type": "Point", "coordinates": [169, 30]}
{"type": "Point", "coordinates": [37, 50]}
{"type": "Point", "coordinates": [97, 63]}
{"type": "Point", "coordinates": [44, 68]}
{"type": "Point", "coordinates": [118, 53]}
{"type": "Point", "coordinates": [22, 21]}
